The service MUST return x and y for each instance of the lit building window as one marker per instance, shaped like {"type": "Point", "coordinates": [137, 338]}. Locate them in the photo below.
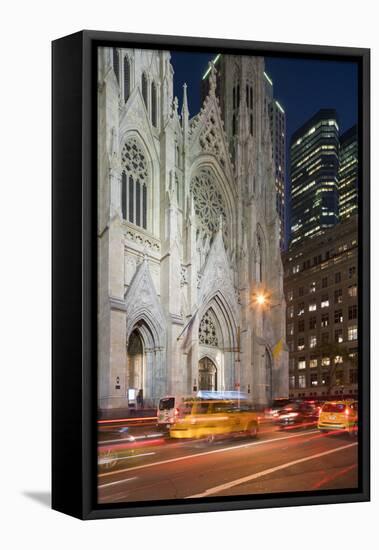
{"type": "Point", "coordinates": [325, 320]}
{"type": "Point", "coordinates": [338, 336]}
{"type": "Point", "coordinates": [300, 344]}
{"type": "Point", "coordinates": [312, 307]}
{"type": "Point", "coordinates": [338, 317]}
{"type": "Point", "coordinates": [325, 361]}
{"type": "Point", "coordinates": [302, 363]}
{"type": "Point", "coordinates": [300, 309]}
{"type": "Point", "coordinates": [352, 333]}
{"type": "Point", "coordinates": [312, 341]}
{"type": "Point", "coordinates": [324, 301]}
{"type": "Point", "coordinates": [312, 287]}
{"type": "Point", "coordinates": [352, 291]}
{"type": "Point", "coordinates": [302, 381]}
{"type": "Point", "coordinates": [338, 296]}
{"type": "Point", "coordinates": [313, 363]}
{"type": "Point", "coordinates": [313, 379]}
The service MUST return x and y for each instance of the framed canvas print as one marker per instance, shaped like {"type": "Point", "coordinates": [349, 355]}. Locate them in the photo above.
{"type": "Point", "coordinates": [210, 275]}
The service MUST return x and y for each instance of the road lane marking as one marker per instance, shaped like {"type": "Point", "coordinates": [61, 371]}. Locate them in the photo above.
{"type": "Point", "coordinates": [332, 477]}
{"type": "Point", "coordinates": [188, 457]}
{"type": "Point", "coordinates": [117, 482]}
{"type": "Point", "coordinates": [130, 439]}
{"type": "Point", "coordinates": [246, 479]}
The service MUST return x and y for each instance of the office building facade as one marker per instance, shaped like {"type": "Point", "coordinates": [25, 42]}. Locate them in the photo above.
{"type": "Point", "coordinates": [348, 174]}
{"type": "Point", "coordinates": [314, 170]}
{"type": "Point", "coordinates": [320, 282]}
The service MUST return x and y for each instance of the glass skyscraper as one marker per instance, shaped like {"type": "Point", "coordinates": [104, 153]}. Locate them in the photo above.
{"type": "Point", "coordinates": [314, 160]}
{"type": "Point", "coordinates": [348, 174]}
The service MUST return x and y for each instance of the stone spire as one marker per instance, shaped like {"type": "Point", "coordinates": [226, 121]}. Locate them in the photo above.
{"type": "Point", "coordinates": [185, 111]}
{"type": "Point", "coordinates": [212, 78]}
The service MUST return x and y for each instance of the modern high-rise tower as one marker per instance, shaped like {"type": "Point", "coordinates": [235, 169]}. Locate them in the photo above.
{"type": "Point", "coordinates": [314, 176]}
{"type": "Point", "coordinates": [348, 174]}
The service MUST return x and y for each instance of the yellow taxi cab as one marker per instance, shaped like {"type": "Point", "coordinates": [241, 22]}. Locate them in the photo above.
{"type": "Point", "coordinates": [213, 418]}
{"type": "Point", "coordinates": [339, 415]}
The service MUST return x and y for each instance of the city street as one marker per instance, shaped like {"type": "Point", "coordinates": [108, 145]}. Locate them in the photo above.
{"type": "Point", "coordinates": [153, 467]}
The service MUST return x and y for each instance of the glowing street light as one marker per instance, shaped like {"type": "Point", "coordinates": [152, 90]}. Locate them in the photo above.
{"type": "Point", "coordinates": [261, 299]}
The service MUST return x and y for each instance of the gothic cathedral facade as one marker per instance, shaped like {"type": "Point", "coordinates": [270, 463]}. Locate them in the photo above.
{"type": "Point", "coordinates": [188, 234]}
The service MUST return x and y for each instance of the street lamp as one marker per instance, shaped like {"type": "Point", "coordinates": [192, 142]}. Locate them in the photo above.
{"type": "Point", "coordinates": [263, 300]}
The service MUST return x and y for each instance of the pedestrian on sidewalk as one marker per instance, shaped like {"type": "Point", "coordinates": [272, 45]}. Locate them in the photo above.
{"type": "Point", "coordinates": [140, 399]}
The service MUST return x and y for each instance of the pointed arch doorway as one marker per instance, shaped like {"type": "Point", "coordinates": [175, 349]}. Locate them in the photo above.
{"type": "Point", "coordinates": [135, 353]}
{"type": "Point", "coordinates": [207, 374]}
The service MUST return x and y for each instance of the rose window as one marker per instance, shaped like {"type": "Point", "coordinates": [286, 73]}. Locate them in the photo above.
{"type": "Point", "coordinates": [208, 202]}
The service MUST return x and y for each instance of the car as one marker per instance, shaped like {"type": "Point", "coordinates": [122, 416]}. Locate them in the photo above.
{"type": "Point", "coordinates": [167, 411]}
{"type": "Point", "coordinates": [212, 419]}
{"type": "Point", "coordinates": [297, 414]}
{"type": "Point", "coordinates": [277, 405]}
{"type": "Point", "coordinates": [341, 416]}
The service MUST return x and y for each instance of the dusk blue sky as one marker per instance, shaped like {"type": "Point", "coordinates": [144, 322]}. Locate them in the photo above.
{"type": "Point", "coordinates": [302, 86]}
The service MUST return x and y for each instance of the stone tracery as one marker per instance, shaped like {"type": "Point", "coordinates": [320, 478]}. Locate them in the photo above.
{"type": "Point", "coordinates": [209, 203]}
{"type": "Point", "coordinates": [207, 330]}
{"type": "Point", "coordinates": [134, 161]}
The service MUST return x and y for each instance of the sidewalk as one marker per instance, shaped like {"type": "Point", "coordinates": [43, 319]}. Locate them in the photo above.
{"type": "Point", "coordinates": [113, 414]}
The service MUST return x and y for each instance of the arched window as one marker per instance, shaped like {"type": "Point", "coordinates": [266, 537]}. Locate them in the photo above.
{"type": "Point", "coordinates": [207, 330]}
{"type": "Point", "coordinates": [154, 104]}
{"type": "Point", "coordinates": [134, 183]}
{"type": "Point", "coordinates": [209, 205]}
{"type": "Point", "coordinates": [126, 78]}
{"type": "Point", "coordinates": [116, 63]}
{"type": "Point", "coordinates": [123, 195]}
{"type": "Point", "coordinates": [144, 88]}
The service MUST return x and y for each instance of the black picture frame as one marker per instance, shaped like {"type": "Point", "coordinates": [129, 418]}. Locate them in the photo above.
{"type": "Point", "coordinates": [74, 273]}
